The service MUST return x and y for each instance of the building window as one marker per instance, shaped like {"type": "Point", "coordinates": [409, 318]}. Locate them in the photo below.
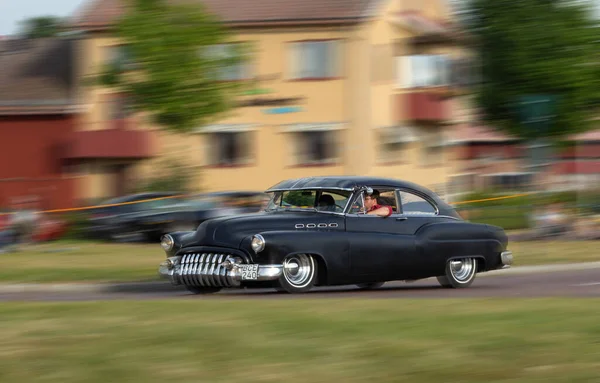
{"type": "Point", "coordinates": [433, 144]}
{"type": "Point", "coordinates": [118, 107]}
{"type": "Point", "coordinates": [314, 59]}
{"type": "Point", "coordinates": [229, 148]}
{"type": "Point", "coordinates": [393, 142]}
{"type": "Point", "coordinates": [232, 71]}
{"type": "Point", "coordinates": [419, 71]}
{"type": "Point", "coordinates": [118, 56]}
{"type": "Point", "coordinates": [314, 147]}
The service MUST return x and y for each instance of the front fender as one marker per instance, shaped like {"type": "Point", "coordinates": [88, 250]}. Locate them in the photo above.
{"type": "Point", "coordinates": [331, 247]}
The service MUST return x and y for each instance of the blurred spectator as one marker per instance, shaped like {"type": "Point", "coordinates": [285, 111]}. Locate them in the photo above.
{"type": "Point", "coordinates": [7, 234]}
{"type": "Point", "coordinates": [550, 221]}
{"type": "Point", "coordinates": [25, 220]}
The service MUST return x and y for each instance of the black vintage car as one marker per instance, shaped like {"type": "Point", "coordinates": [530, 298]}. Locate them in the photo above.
{"type": "Point", "coordinates": [314, 232]}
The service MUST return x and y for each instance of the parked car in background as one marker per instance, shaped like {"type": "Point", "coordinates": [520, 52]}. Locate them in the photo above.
{"type": "Point", "coordinates": [49, 228]}
{"type": "Point", "coordinates": [314, 232]}
{"type": "Point", "coordinates": [110, 222]}
{"type": "Point", "coordinates": [187, 213]}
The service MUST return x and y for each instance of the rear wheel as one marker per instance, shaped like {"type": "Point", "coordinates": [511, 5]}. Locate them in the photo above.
{"type": "Point", "coordinates": [203, 290]}
{"type": "Point", "coordinates": [460, 273]}
{"type": "Point", "coordinates": [299, 273]}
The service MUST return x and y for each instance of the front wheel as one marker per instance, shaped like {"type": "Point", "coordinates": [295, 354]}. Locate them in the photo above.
{"type": "Point", "coordinates": [299, 273]}
{"type": "Point", "coordinates": [203, 290]}
{"type": "Point", "coordinates": [460, 273]}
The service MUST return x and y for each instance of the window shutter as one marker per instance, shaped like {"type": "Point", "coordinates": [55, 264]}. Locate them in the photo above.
{"type": "Point", "coordinates": [404, 72]}
{"type": "Point", "coordinates": [294, 64]}
{"type": "Point", "coordinates": [335, 56]}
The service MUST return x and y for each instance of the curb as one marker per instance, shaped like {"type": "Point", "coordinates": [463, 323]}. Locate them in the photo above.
{"type": "Point", "coordinates": [544, 268]}
{"type": "Point", "coordinates": [130, 287]}
{"type": "Point", "coordinates": [160, 286]}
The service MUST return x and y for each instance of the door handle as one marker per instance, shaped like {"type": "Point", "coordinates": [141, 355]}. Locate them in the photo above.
{"type": "Point", "coordinates": [401, 218]}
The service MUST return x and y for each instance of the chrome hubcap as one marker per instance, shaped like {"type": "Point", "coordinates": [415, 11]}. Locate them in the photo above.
{"type": "Point", "coordinates": [298, 270]}
{"type": "Point", "coordinates": [463, 269]}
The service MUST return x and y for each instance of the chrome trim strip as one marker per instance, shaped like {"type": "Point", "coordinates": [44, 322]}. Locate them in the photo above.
{"type": "Point", "coordinates": [506, 257]}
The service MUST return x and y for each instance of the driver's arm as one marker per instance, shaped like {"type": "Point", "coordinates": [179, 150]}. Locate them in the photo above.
{"type": "Point", "coordinates": [384, 211]}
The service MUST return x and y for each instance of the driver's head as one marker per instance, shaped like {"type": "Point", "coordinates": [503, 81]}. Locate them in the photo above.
{"type": "Point", "coordinates": [326, 202]}
{"type": "Point", "coordinates": [371, 199]}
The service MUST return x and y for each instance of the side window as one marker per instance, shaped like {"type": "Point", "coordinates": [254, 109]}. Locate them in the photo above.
{"type": "Point", "coordinates": [388, 198]}
{"type": "Point", "coordinates": [414, 204]}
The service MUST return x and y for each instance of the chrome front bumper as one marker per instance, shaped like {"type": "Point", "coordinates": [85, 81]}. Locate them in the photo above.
{"type": "Point", "coordinates": [215, 270]}
{"type": "Point", "coordinates": [506, 258]}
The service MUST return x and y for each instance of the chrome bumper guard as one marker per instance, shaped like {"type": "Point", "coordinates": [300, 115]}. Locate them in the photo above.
{"type": "Point", "coordinates": [506, 258]}
{"type": "Point", "coordinates": [215, 270]}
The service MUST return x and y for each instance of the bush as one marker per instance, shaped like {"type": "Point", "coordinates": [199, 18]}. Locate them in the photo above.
{"type": "Point", "coordinates": [171, 175]}
{"type": "Point", "coordinates": [76, 224]}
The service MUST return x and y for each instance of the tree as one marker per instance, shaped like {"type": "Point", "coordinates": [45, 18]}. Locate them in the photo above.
{"type": "Point", "coordinates": [173, 64]}
{"type": "Point", "coordinates": [535, 47]}
{"type": "Point", "coordinates": [42, 26]}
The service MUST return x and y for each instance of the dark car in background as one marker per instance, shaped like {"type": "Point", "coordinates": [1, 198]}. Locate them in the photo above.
{"type": "Point", "coordinates": [186, 214]}
{"type": "Point", "coordinates": [109, 222]}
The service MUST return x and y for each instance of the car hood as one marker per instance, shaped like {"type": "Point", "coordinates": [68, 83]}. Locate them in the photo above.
{"type": "Point", "coordinates": [230, 231]}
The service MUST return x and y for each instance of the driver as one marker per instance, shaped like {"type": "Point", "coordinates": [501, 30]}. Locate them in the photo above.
{"type": "Point", "coordinates": [374, 208]}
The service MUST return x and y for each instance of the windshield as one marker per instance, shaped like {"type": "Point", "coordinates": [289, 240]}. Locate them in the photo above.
{"type": "Point", "coordinates": [316, 200]}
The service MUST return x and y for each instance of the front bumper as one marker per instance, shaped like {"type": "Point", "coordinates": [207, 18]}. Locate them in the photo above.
{"type": "Point", "coordinates": [506, 259]}
{"type": "Point", "coordinates": [215, 270]}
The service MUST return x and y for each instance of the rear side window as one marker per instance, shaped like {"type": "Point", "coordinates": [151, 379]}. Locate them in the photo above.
{"type": "Point", "coordinates": [415, 204]}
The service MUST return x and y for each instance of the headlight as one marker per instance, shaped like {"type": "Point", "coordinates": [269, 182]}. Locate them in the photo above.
{"type": "Point", "coordinates": [167, 242]}
{"type": "Point", "coordinates": [258, 243]}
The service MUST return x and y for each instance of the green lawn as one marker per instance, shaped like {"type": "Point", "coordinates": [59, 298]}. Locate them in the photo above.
{"type": "Point", "coordinates": [67, 261]}
{"type": "Point", "coordinates": [323, 340]}
{"type": "Point", "coordinates": [94, 262]}
{"type": "Point", "coordinates": [553, 252]}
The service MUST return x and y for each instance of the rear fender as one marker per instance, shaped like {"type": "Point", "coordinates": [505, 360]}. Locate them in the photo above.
{"type": "Point", "coordinates": [440, 242]}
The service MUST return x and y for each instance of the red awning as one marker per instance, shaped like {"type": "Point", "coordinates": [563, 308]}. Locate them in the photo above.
{"type": "Point", "coordinates": [110, 143]}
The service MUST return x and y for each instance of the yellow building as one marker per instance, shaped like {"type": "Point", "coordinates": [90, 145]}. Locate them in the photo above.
{"type": "Point", "coordinates": [362, 89]}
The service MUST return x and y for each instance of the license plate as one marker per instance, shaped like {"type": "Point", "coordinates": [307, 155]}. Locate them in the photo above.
{"type": "Point", "coordinates": [249, 272]}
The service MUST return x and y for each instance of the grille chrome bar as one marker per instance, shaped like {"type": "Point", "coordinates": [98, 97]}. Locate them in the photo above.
{"type": "Point", "coordinates": [204, 269]}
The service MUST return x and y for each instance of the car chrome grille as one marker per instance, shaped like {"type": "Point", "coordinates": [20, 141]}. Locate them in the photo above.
{"type": "Point", "coordinates": [204, 269]}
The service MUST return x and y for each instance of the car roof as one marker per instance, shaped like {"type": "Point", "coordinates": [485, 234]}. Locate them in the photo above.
{"type": "Point", "coordinates": [349, 183]}
{"type": "Point", "coordinates": [344, 183]}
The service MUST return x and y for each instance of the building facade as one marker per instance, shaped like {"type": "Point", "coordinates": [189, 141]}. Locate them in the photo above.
{"type": "Point", "coordinates": [343, 88]}
{"type": "Point", "coordinates": [48, 151]}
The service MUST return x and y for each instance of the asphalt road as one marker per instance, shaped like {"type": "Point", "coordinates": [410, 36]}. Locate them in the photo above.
{"type": "Point", "coordinates": [571, 283]}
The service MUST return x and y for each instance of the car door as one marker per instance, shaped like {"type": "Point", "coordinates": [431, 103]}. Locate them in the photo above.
{"type": "Point", "coordinates": [382, 247]}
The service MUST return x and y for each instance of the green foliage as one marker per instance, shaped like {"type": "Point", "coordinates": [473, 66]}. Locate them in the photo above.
{"type": "Point", "coordinates": [536, 47]}
{"type": "Point", "coordinates": [170, 69]}
{"type": "Point", "coordinates": [170, 175]}
{"type": "Point", "coordinates": [296, 198]}
{"type": "Point", "coordinates": [76, 224]}
{"type": "Point", "coordinates": [39, 27]}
